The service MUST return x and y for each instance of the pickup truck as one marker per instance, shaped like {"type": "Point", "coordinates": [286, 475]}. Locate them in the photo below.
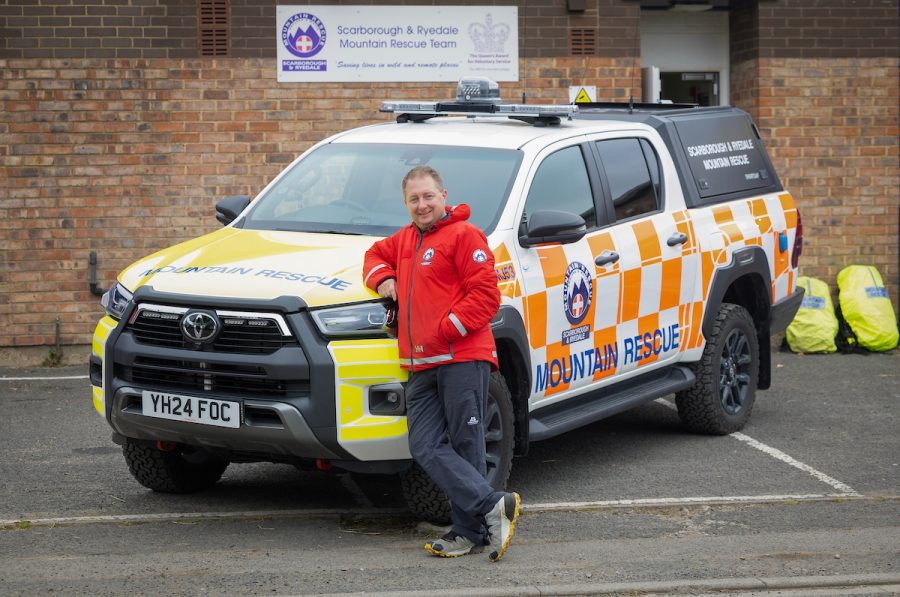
{"type": "Point", "coordinates": [640, 250]}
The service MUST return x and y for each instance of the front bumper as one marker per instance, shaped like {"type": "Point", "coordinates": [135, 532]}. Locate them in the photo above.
{"type": "Point", "coordinates": [308, 399]}
{"type": "Point", "coordinates": [275, 430]}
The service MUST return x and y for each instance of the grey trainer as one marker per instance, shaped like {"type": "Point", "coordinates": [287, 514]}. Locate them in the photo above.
{"type": "Point", "coordinates": [501, 524]}
{"type": "Point", "coordinates": [452, 545]}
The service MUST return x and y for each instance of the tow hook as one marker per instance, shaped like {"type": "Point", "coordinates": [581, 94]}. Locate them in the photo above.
{"type": "Point", "coordinates": [322, 464]}
{"type": "Point", "coordinates": [165, 446]}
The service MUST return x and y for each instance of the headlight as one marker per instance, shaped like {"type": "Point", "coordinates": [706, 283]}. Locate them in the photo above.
{"type": "Point", "coordinates": [114, 300]}
{"type": "Point", "coordinates": [367, 319]}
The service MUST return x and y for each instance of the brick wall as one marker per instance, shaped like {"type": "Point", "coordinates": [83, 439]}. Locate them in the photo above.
{"type": "Point", "coordinates": [832, 127]}
{"type": "Point", "coordinates": [128, 155]}
{"type": "Point", "coordinates": [168, 28]}
{"type": "Point", "coordinates": [828, 29]}
{"type": "Point", "coordinates": [743, 33]}
{"type": "Point", "coordinates": [98, 29]}
{"type": "Point", "coordinates": [821, 80]}
{"type": "Point", "coordinates": [125, 157]}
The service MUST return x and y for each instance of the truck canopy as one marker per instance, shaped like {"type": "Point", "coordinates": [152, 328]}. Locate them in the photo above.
{"type": "Point", "coordinates": [718, 149]}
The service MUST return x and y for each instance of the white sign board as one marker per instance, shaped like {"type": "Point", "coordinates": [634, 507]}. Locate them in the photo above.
{"type": "Point", "coordinates": [396, 43]}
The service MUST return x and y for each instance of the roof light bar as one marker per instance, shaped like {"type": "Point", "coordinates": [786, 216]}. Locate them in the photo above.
{"type": "Point", "coordinates": [475, 109]}
{"type": "Point", "coordinates": [478, 96]}
{"type": "Point", "coordinates": [412, 107]}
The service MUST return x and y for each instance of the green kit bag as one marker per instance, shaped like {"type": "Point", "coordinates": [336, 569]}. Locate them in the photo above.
{"type": "Point", "coordinates": [867, 308]}
{"type": "Point", "coordinates": [815, 325]}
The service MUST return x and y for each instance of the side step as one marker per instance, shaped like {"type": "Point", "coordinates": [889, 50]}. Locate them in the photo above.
{"type": "Point", "coordinates": [608, 401]}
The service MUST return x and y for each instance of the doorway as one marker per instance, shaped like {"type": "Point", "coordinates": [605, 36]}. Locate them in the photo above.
{"type": "Point", "coordinates": [685, 56]}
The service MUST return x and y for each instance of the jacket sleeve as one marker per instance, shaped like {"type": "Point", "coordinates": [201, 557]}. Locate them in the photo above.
{"type": "Point", "coordinates": [480, 297]}
{"type": "Point", "coordinates": [380, 262]}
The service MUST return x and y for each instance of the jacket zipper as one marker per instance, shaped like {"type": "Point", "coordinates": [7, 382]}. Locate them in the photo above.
{"type": "Point", "coordinates": [412, 275]}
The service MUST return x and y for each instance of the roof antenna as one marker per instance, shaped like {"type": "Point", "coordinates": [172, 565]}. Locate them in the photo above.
{"type": "Point", "coordinates": [637, 48]}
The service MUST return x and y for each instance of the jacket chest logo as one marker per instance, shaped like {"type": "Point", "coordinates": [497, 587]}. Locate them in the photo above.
{"type": "Point", "coordinates": [427, 256]}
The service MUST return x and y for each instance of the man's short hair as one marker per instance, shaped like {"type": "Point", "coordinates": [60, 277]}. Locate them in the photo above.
{"type": "Point", "coordinates": [422, 171]}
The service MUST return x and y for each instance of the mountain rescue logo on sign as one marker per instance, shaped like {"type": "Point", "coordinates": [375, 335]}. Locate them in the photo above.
{"type": "Point", "coordinates": [577, 292]}
{"type": "Point", "coordinates": [303, 35]}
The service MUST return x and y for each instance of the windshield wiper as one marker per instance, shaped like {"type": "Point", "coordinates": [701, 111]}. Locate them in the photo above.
{"type": "Point", "coordinates": [317, 231]}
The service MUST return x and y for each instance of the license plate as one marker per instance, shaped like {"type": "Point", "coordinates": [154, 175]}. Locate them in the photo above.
{"type": "Point", "coordinates": [205, 411]}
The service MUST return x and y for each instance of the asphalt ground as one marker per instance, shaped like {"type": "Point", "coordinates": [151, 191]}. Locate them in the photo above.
{"type": "Point", "coordinates": [809, 489]}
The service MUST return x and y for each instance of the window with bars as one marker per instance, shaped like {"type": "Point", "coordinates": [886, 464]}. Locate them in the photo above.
{"type": "Point", "coordinates": [212, 21]}
{"type": "Point", "coordinates": [583, 41]}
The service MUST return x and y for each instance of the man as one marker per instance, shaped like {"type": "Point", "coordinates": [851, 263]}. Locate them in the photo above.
{"type": "Point", "coordinates": [440, 271]}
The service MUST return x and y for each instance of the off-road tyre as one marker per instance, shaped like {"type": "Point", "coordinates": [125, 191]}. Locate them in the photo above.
{"type": "Point", "coordinates": [182, 470]}
{"type": "Point", "coordinates": [426, 500]}
{"type": "Point", "coordinates": [721, 399]}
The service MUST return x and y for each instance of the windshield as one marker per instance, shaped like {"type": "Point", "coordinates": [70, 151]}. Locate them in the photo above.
{"type": "Point", "coordinates": [355, 188]}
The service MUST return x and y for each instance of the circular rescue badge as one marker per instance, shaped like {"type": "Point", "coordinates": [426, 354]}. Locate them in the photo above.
{"type": "Point", "coordinates": [577, 292]}
{"type": "Point", "coordinates": [479, 256]}
{"type": "Point", "coordinates": [303, 35]}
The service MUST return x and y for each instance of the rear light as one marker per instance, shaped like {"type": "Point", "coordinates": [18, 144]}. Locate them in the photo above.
{"type": "Point", "coordinates": [798, 242]}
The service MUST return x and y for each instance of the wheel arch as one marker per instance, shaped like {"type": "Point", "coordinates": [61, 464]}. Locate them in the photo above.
{"type": "Point", "coordinates": [746, 282]}
{"type": "Point", "coordinates": [515, 366]}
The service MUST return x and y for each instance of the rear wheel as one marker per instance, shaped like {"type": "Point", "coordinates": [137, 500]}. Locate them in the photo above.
{"type": "Point", "coordinates": [426, 500]}
{"type": "Point", "coordinates": [721, 399]}
{"type": "Point", "coordinates": [182, 469]}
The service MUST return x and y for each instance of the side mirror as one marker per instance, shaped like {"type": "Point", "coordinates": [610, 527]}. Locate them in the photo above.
{"type": "Point", "coordinates": [550, 226]}
{"type": "Point", "coordinates": [229, 208]}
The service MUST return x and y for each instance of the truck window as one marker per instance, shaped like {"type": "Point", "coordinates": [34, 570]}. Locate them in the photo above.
{"type": "Point", "coordinates": [632, 175]}
{"type": "Point", "coordinates": [561, 183]}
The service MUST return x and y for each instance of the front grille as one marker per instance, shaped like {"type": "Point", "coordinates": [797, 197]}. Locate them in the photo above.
{"type": "Point", "coordinates": [197, 376]}
{"type": "Point", "coordinates": [241, 333]}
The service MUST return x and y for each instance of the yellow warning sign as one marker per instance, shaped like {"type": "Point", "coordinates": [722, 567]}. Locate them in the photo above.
{"type": "Point", "coordinates": [580, 94]}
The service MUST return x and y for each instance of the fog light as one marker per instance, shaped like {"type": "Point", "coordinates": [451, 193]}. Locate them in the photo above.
{"type": "Point", "coordinates": [387, 399]}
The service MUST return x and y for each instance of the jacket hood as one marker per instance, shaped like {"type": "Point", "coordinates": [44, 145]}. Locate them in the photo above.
{"type": "Point", "coordinates": [458, 213]}
{"type": "Point", "coordinates": [455, 213]}
{"type": "Point", "coordinates": [321, 269]}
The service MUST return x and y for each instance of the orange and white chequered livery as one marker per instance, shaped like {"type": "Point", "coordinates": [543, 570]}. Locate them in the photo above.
{"type": "Point", "coordinates": [648, 306]}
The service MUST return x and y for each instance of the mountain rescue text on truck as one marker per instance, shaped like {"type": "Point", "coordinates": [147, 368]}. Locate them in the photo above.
{"type": "Point", "coordinates": [640, 251]}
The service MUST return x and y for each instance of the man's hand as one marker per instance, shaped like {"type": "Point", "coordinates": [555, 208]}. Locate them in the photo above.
{"type": "Point", "coordinates": [388, 289]}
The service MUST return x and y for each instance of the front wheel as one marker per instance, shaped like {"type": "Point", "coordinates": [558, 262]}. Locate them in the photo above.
{"type": "Point", "coordinates": [426, 500]}
{"type": "Point", "coordinates": [721, 399]}
{"type": "Point", "coordinates": [180, 470]}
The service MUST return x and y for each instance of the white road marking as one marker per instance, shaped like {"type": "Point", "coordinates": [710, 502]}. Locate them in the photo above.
{"type": "Point", "coordinates": [176, 517]}
{"type": "Point", "coordinates": [685, 501]}
{"type": "Point", "coordinates": [779, 455]}
{"type": "Point", "coordinates": [185, 516]}
{"type": "Point", "coordinates": [43, 378]}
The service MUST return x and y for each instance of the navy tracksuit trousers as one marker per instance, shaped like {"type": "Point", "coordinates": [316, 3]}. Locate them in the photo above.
{"type": "Point", "coordinates": [445, 411]}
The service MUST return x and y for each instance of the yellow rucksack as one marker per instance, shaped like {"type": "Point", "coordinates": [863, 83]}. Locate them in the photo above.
{"type": "Point", "coordinates": [815, 324]}
{"type": "Point", "coordinates": [866, 307]}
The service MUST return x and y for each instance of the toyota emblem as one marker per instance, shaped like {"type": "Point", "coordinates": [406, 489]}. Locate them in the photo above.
{"type": "Point", "coordinates": [198, 326]}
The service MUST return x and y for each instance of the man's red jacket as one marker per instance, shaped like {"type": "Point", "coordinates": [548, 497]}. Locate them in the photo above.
{"type": "Point", "coordinates": [446, 290]}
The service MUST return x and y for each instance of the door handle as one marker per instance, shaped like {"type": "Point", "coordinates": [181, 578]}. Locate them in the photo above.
{"type": "Point", "coordinates": [606, 257]}
{"type": "Point", "coordinates": [679, 238]}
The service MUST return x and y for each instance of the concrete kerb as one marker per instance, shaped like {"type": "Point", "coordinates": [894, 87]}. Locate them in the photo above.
{"type": "Point", "coordinates": [889, 582]}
